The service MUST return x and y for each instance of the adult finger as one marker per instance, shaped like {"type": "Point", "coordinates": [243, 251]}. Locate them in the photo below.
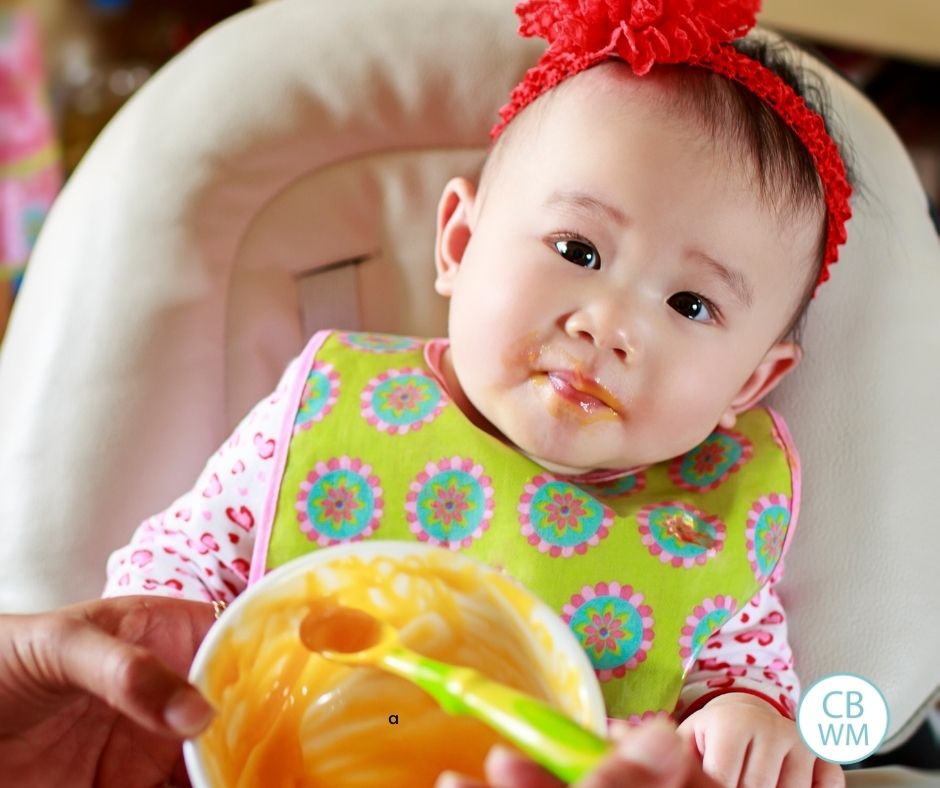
{"type": "Point", "coordinates": [72, 653]}
{"type": "Point", "coordinates": [173, 627]}
{"type": "Point", "coordinates": [648, 756]}
{"type": "Point", "coordinates": [651, 755]}
{"type": "Point", "coordinates": [455, 780]}
{"type": "Point", "coordinates": [506, 767]}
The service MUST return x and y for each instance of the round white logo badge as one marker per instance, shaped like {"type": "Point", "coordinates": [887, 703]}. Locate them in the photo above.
{"type": "Point", "coordinates": [843, 718]}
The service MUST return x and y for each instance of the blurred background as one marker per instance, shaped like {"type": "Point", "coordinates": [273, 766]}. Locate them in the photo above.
{"type": "Point", "coordinates": [66, 66]}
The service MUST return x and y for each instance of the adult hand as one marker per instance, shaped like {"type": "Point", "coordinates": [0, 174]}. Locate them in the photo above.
{"type": "Point", "coordinates": [650, 755]}
{"type": "Point", "coordinates": [96, 694]}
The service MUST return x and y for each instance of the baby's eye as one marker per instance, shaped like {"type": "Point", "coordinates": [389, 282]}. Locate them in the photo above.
{"type": "Point", "coordinates": [578, 252]}
{"type": "Point", "coordinates": [693, 307]}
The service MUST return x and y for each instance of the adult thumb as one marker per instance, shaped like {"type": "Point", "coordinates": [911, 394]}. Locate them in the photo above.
{"type": "Point", "coordinates": [72, 654]}
{"type": "Point", "coordinates": [649, 756]}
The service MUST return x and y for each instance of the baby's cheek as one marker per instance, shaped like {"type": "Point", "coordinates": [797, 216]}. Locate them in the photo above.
{"type": "Point", "coordinates": [676, 424]}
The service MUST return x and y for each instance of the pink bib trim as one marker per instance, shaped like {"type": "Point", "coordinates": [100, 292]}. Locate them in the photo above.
{"type": "Point", "coordinates": [263, 535]}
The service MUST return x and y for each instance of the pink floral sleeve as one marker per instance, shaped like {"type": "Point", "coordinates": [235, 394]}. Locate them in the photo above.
{"type": "Point", "coordinates": [200, 547]}
{"type": "Point", "coordinates": [750, 653]}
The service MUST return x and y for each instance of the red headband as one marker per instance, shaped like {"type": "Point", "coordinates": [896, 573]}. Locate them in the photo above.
{"type": "Point", "coordinates": [583, 33]}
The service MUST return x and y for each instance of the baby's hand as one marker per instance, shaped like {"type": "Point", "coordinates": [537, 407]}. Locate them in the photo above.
{"type": "Point", "coordinates": [744, 741]}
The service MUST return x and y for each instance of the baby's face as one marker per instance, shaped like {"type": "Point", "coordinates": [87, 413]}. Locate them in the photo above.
{"type": "Point", "coordinates": [619, 290]}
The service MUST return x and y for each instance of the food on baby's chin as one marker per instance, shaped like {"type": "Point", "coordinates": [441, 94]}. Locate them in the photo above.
{"type": "Point", "coordinates": [290, 717]}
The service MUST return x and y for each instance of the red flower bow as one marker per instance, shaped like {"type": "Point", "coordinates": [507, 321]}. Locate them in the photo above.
{"type": "Point", "coordinates": [641, 32]}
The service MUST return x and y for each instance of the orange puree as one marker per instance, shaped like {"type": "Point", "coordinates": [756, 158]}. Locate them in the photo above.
{"type": "Point", "coordinates": [288, 717]}
{"type": "Point", "coordinates": [343, 629]}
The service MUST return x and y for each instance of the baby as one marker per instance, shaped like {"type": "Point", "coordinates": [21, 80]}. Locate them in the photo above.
{"type": "Point", "coordinates": [625, 286]}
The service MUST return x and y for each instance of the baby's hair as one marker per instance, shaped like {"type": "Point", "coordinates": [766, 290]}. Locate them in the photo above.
{"type": "Point", "coordinates": [784, 170]}
{"type": "Point", "coordinates": [782, 166]}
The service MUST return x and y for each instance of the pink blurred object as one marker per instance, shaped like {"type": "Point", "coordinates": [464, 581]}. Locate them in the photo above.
{"type": "Point", "coordinates": [30, 175]}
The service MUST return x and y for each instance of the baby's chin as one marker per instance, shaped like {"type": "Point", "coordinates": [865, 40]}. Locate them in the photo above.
{"type": "Point", "coordinates": [554, 467]}
{"type": "Point", "coordinates": [556, 463]}
{"type": "Point", "coordinates": [531, 440]}
{"type": "Point", "coordinates": [570, 470]}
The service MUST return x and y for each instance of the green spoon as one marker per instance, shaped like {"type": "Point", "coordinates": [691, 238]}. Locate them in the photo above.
{"type": "Point", "coordinates": [353, 637]}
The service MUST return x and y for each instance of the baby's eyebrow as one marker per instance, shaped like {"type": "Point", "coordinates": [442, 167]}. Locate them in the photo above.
{"type": "Point", "coordinates": [585, 201]}
{"type": "Point", "coordinates": [735, 280]}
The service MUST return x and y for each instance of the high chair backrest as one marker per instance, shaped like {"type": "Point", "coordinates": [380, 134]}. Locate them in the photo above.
{"type": "Point", "coordinates": [282, 175]}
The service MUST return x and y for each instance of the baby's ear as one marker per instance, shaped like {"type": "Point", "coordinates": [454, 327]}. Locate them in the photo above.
{"type": "Point", "coordinates": [454, 228]}
{"type": "Point", "coordinates": [778, 362]}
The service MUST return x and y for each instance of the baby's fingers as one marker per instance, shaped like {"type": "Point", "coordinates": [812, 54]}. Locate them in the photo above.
{"type": "Point", "coordinates": [797, 769]}
{"type": "Point", "coordinates": [828, 775]}
{"type": "Point", "coordinates": [724, 756]}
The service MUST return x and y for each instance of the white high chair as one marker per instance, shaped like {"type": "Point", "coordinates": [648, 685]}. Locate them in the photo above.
{"type": "Point", "coordinates": [282, 175]}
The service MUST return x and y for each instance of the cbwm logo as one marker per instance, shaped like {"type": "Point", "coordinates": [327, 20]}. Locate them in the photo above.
{"type": "Point", "coordinates": [843, 718]}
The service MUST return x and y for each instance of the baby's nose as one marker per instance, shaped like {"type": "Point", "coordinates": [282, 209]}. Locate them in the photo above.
{"type": "Point", "coordinates": [603, 330]}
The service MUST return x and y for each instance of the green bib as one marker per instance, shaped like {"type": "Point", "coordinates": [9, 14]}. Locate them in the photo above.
{"type": "Point", "coordinates": [644, 569]}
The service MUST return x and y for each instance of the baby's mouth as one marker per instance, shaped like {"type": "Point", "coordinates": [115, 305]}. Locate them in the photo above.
{"type": "Point", "coordinates": [587, 394]}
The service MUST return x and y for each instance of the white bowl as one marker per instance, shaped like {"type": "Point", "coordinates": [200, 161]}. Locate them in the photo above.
{"type": "Point", "coordinates": [549, 652]}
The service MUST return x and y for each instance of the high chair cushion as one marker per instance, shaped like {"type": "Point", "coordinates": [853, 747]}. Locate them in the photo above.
{"type": "Point", "coordinates": [281, 175]}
